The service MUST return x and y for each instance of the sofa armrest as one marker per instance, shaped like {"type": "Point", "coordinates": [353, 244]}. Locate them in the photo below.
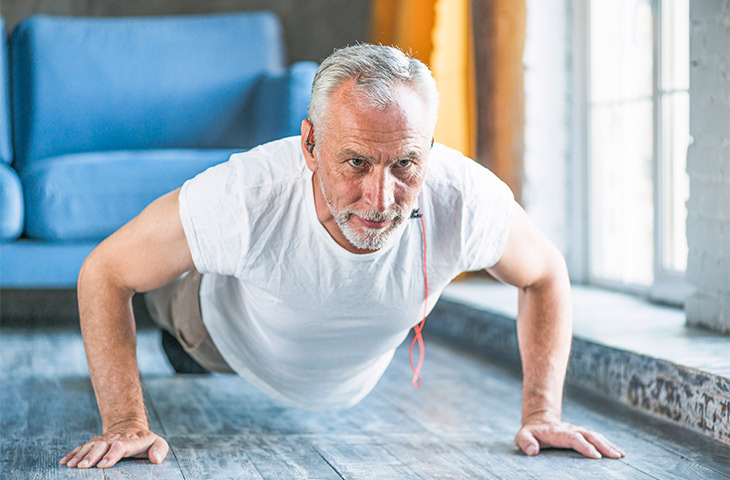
{"type": "Point", "coordinates": [280, 103]}
{"type": "Point", "coordinates": [11, 204]}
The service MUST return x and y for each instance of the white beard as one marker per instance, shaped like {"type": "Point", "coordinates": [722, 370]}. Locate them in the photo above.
{"type": "Point", "coordinates": [366, 238]}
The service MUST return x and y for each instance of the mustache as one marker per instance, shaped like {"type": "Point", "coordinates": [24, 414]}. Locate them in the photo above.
{"type": "Point", "coordinates": [376, 216]}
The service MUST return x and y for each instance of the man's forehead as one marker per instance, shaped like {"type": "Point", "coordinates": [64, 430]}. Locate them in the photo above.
{"type": "Point", "coordinates": [400, 97]}
{"type": "Point", "coordinates": [356, 117]}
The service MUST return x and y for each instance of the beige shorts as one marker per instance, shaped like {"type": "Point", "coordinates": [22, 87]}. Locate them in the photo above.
{"type": "Point", "coordinates": [176, 308]}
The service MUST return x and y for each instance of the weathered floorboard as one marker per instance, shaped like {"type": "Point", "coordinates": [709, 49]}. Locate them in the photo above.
{"type": "Point", "coordinates": [282, 458]}
{"type": "Point", "coordinates": [459, 424]}
{"type": "Point", "coordinates": [215, 457]}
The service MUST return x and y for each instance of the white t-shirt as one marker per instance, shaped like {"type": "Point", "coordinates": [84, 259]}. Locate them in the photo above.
{"type": "Point", "coordinates": [297, 315]}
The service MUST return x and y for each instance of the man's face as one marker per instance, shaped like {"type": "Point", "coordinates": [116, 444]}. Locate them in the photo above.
{"type": "Point", "coordinates": [369, 166]}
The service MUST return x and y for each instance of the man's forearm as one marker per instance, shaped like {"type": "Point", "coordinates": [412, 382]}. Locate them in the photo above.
{"type": "Point", "coordinates": [107, 326]}
{"type": "Point", "coordinates": [544, 329]}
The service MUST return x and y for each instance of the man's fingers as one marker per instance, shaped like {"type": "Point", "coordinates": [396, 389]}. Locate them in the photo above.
{"type": "Point", "coordinates": [106, 450]}
{"type": "Point", "coordinates": [532, 437]}
{"type": "Point", "coordinates": [579, 443]}
{"type": "Point", "coordinates": [94, 455]}
{"type": "Point", "coordinates": [606, 448]}
{"type": "Point", "coordinates": [527, 442]}
{"type": "Point", "coordinates": [158, 450]}
{"type": "Point", "coordinates": [81, 453]}
{"type": "Point", "coordinates": [563, 438]}
{"type": "Point", "coordinates": [115, 453]}
{"type": "Point", "coordinates": [70, 454]}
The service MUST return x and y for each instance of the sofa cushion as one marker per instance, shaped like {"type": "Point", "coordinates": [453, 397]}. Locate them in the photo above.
{"type": "Point", "coordinates": [93, 84]}
{"type": "Point", "coordinates": [31, 264]}
{"type": "Point", "coordinates": [11, 204]}
{"type": "Point", "coordinates": [87, 196]}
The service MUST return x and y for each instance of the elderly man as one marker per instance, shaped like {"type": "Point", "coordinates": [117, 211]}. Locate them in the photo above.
{"type": "Point", "coordinates": [302, 264]}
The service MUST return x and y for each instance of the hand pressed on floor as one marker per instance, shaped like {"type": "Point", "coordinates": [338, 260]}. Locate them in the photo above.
{"type": "Point", "coordinates": [552, 433]}
{"type": "Point", "coordinates": [124, 439]}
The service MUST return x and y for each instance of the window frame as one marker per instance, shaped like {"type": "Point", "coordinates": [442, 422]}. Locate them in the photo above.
{"type": "Point", "coordinates": [669, 286]}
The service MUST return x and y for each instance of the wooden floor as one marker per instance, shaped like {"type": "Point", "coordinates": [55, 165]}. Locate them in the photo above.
{"type": "Point", "coordinates": [459, 424]}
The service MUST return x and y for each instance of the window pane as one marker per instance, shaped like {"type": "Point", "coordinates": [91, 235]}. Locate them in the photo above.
{"type": "Point", "coordinates": [621, 50]}
{"type": "Point", "coordinates": [675, 134]}
{"type": "Point", "coordinates": [622, 139]}
{"type": "Point", "coordinates": [622, 193]}
{"type": "Point", "coordinates": [675, 45]}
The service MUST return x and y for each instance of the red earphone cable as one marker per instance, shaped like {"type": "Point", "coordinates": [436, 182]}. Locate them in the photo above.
{"type": "Point", "coordinates": [416, 381]}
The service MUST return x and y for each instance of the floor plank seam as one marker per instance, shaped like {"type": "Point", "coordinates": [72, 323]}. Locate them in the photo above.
{"type": "Point", "coordinates": [639, 470]}
{"type": "Point", "coordinates": [255, 466]}
{"type": "Point", "coordinates": [177, 462]}
{"type": "Point", "coordinates": [150, 404]}
{"type": "Point", "coordinates": [152, 408]}
{"type": "Point", "coordinates": [328, 463]}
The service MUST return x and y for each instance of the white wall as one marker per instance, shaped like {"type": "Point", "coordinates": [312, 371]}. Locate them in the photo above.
{"type": "Point", "coordinates": [548, 118]}
{"type": "Point", "coordinates": [708, 165]}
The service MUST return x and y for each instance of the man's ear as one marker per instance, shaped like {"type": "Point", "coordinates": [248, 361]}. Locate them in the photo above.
{"type": "Point", "coordinates": [306, 141]}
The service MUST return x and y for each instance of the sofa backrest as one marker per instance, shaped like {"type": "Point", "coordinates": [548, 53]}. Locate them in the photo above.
{"type": "Point", "coordinates": [82, 84]}
{"type": "Point", "coordinates": [6, 152]}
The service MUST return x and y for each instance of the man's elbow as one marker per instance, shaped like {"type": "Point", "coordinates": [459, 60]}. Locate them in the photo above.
{"type": "Point", "coordinates": [558, 266]}
{"type": "Point", "coordinates": [91, 270]}
{"type": "Point", "coordinates": [98, 273]}
{"type": "Point", "coordinates": [553, 272]}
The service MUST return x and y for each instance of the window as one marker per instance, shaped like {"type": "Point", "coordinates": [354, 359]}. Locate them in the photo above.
{"type": "Point", "coordinates": [638, 133]}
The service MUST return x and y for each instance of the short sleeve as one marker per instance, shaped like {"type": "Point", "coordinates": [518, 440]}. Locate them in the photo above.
{"type": "Point", "coordinates": [213, 216]}
{"type": "Point", "coordinates": [488, 206]}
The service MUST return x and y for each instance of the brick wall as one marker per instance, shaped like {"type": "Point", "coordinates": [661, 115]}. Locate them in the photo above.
{"type": "Point", "coordinates": [708, 165]}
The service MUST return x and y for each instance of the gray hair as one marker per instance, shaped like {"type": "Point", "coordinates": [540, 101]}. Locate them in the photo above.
{"type": "Point", "coordinates": [376, 69]}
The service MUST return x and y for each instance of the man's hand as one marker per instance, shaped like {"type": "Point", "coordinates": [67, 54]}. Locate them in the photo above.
{"type": "Point", "coordinates": [146, 253]}
{"type": "Point", "coordinates": [544, 432]}
{"type": "Point", "coordinates": [125, 439]}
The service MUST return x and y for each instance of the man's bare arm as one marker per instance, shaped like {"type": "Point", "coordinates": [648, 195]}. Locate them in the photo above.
{"type": "Point", "coordinates": [544, 329]}
{"type": "Point", "coordinates": [148, 252]}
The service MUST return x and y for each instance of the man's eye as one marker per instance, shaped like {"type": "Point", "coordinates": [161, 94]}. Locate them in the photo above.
{"type": "Point", "coordinates": [357, 162]}
{"type": "Point", "coordinates": [404, 163]}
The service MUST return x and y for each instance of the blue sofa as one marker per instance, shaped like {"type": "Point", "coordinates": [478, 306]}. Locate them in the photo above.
{"type": "Point", "coordinates": [108, 114]}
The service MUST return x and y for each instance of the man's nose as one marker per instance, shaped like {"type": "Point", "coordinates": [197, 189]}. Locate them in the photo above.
{"type": "Point", "coordinates": [379, 190]}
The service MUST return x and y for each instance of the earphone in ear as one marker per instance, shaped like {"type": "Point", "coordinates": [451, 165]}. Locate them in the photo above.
{"type": "Point", "coordinates": [309, 142]}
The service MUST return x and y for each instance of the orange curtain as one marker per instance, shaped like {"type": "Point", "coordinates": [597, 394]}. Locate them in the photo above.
{"type": "Point", "coordinates": [405, 23]}
{"type": "Point", "coordinates": [439, 33]}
